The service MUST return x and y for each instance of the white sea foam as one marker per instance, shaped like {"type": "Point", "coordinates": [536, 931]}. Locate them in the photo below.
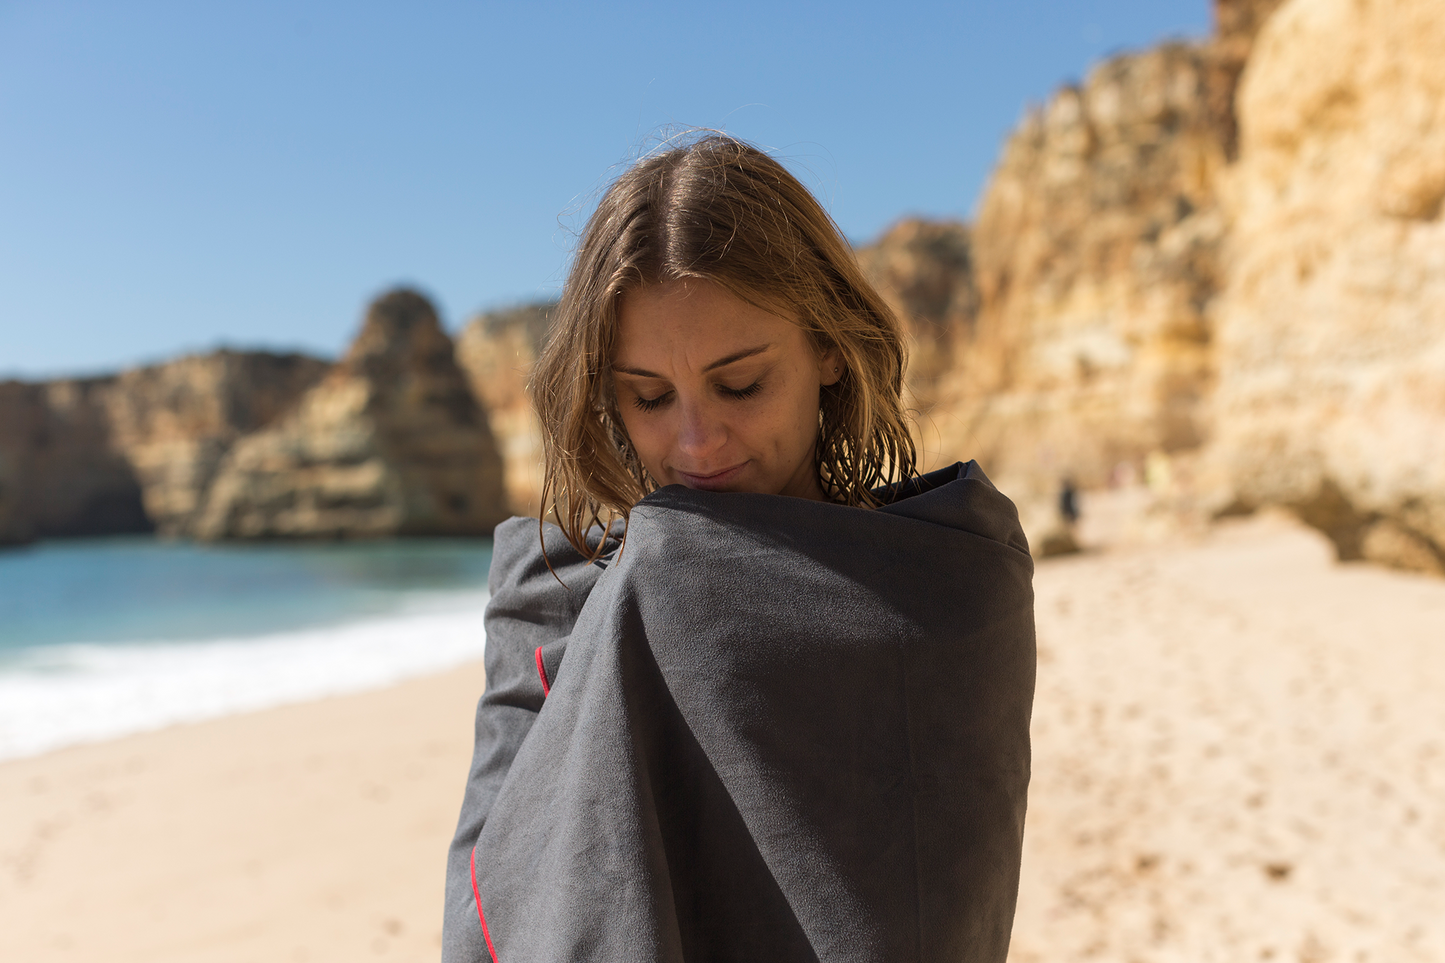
{"type": "Point", "coordinates": [63, 695]}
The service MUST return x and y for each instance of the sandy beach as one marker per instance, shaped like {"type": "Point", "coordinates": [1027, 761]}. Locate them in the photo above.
{"type": "Point", "coordinates": [1239, 755]}
{"type": "Point", "coordinates": [311, 832]}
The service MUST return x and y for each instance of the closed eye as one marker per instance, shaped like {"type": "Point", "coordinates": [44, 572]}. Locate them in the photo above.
{"type": "Point", "coordinates": [652, 404]}
{"type": "Point", "coordinates": [747, 392]}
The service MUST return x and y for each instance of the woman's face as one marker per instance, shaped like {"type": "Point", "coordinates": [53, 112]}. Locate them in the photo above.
{"type": "Point", "coordinates": [718, 394]}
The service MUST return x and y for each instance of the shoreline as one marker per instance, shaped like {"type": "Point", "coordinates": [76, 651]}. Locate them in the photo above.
{"type": "Point", "coordinates": [81, 694]}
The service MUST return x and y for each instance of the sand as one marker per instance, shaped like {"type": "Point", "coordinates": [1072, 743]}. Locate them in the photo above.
{"type": "Point", "coordinates": [1239, 755]}
{"type": "Point", "coordinates": [312, 832]}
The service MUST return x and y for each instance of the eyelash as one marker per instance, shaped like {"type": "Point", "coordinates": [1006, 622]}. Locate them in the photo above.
{"type": "Point", "coordinates": [747, 392]}
{"type": "Point", "coordinates": [652, 404]}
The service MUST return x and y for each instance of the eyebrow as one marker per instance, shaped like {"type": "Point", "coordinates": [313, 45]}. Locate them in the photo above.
{"type": "Point", "coordinates": [733, 358]}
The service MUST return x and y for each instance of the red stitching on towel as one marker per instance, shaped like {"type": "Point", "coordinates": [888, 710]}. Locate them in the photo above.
{"type": "Point", "coordinates": [477, 892]}
{"type": "Point", "coordinates": [542, 672]}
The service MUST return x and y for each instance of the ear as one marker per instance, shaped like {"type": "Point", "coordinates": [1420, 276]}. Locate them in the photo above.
{"type": "Point", "coordinates": [831, 366]}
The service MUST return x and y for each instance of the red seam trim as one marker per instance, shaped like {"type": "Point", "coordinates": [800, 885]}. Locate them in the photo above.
{"type": "Point", "coordinates": [477, 892]}
{"type": "Point", "coordinates": [542, 672]}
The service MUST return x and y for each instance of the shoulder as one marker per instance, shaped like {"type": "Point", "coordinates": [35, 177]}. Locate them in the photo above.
{"type": "Point", "coordinates": [960, 497]}
{"type": "Point", "coordinates": [527, 549]}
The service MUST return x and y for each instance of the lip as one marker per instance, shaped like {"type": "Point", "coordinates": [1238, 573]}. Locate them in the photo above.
{"type": "Point", "coordinates": [715, 482]}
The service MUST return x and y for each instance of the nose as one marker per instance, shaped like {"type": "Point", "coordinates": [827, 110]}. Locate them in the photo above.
{"type": "Point", "coordinates": [700, 433]}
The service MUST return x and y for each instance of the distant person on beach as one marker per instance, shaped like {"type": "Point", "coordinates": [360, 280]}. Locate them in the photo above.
{"type": "Point", "coordinates": [762, 692]}
{"type": "Point", "coordinates": [1069, 503]}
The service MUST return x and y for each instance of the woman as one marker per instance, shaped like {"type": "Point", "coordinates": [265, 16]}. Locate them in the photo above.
{"type": "Point", "coordinates": [792, 718]}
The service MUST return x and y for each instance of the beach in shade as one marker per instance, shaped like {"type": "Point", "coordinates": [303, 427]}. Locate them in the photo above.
{"type": "Point", "coordinates": [1239, 754]}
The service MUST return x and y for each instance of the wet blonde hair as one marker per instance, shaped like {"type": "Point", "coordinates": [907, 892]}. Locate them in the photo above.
{"type": "Point", "coordinates": [719, 210]}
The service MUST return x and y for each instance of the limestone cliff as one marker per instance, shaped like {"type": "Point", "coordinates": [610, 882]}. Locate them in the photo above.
{"type": "Point", "coordinates": [1086, 349]}
{"type": "Point", "coordinates": [175, 421]}
{"type": "Point", "coordinates": [1236, 24]}
{"type": "Point", "coordinates": [1095, 256]}
{"type": "Point", "coordinates": [1232, 253]}
{"type": "Point", "coordinates": [61, 472]}
{"type": "Point", "coordinates": [135, 451]}
{"type": "Point", "coordinates": [390, 442]}
{"type": "Point", "coordinates": [1331, 327]}
{"type": "Point", "coordinates": [924, 270]}
{"type": "Point", "coordinates": [497, 351]}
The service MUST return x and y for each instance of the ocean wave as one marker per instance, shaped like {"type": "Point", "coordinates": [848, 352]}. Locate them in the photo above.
{"type": "Point", "coordinates": [61, 695]}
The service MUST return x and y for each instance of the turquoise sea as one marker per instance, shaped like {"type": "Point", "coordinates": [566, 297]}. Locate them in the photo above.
{"type": "Point", "coordinates": [103, 637]}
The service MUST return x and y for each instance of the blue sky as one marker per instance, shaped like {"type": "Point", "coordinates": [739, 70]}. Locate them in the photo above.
{"type": "Point", "coordinates": [175, 176]}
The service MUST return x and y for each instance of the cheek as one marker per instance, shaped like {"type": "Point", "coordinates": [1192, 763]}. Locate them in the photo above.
{"type": "Point", "coordinates": [810, 394]}
{"type": "Point", "coordinates": [649, 436]}
{"type": "Point", "coordinates": [794, 425]}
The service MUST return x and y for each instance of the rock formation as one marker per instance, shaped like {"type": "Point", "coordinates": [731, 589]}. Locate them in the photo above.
{"type": "Point", "coordinates": [1233, 254]}
{"type": "Point", "coordinates": [1081, 341]}
{"type": "Point", "coordinates": [390, 442]}
{"type": "Point", "coordinates": [1236, 24]}
{"type": "Point", "coordinates": [1331, 328]}
{"type": "Point", "coordinates": [61, 472]}
{"type": "Point", "coordinates": [141, 451]}
{"type": "Point", "coordinates": [497, 351]}
{"type": "Point", "coordinates": [924, 270]}
{"type": "Point", "coordinates": [135, 451]}
{"type": "Point", "coordinates": [1095, 256]}
{"type": "Point", "coordinates": [175, 421]}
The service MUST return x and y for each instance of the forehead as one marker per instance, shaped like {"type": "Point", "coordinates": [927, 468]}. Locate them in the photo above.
{"type": "Point", "coordinates": [695, 316]}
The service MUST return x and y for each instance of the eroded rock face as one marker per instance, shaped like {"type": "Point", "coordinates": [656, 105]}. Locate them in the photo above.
{"type": "Point", "coordinates": [1096, 254]}
{"type": "Point", "coordinates": [61, 472]}
{"type": "Point", "coordinates": [924, 270]}
{"type": "Point", "coordinates": [133, 452]}
{"type": "Point", "coordinates": [497, 351]}
{"type": "Point", "coordinates": [1331, 330]}
{"type": "Point", "coordinates": [176, 421]}
{"type": "Point", "coordinates": [391, 442]}
{"type": "Point", "coordinates": [1236, 24]}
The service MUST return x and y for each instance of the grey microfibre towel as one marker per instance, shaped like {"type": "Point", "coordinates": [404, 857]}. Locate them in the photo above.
{"type": "Point", "coordinates": [776, 729]}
